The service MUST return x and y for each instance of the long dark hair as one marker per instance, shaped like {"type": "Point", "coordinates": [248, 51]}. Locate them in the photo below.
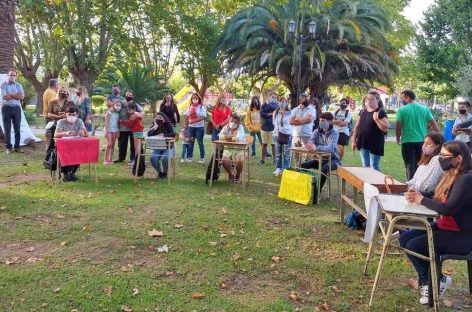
{"type": "Point", "coordinates": [438, 139]}
{"type": "Point", "coordinates": [253, 106]}
{"type": "Point", "coordinates": [456, 148]}
{"type": "Point", "coordinates": [164, 116]}
{"type": "Point", "coordinates": [198, 96]}
{"type": "Point", "coordinates": [172, 102]}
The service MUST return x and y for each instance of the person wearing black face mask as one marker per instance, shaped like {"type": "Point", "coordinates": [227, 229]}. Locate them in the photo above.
{"type": "Point", "coordinates": [452, 232]}
{"type": "Point", "coordinates": [301, 119]}
{"type": "Point", "coordinates": [324, 139]}
{"type": "Point", "coordinates": [463, 133]}
{"type": "Point", "coordinates": [159, 158]}
{"type": "Point", "coordinates": [341, 122]}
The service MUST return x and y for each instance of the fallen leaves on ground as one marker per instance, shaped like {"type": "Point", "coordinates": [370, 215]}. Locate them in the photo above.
{"type": "Point", "coordinates": [213, 244]}
{"type": "Point", "coordinates": [224, 211]}
{"type": "Point", "coordinates": [64, 243]}
{"type": "Point", "coordinates": [126, 308]}
{"type": "Point", "coordinates": [325, 306]}
{"type": "Point", "coordinates": [178, 226]}
{"type": "Point", "coordinates": [13, 260]}
{"type": "Point", "coordinates": [33, 259]}
{"type": "Point", "coordinates": [58, 289]}
{"type": "Point", "coordinates": [447, 303]}
{"type": "Point", "coordinates": [293, 296]}
{"type": "Point", "coordinates": [163, 248]}
{"type": "Point", "coordinates": [198, 295]}
{"type": "Point", "coordinates": [135, 291]}
{"type": "Point", "coordinates": [413, 283]}
{"type": "Point", "coordinates": [155, 233]}
{"type": "Point", "coordinates": [108, 290]}
{"type": "Point", "coordinates": [30, 249]}
{"type": "Point", "coordinates": [236, 256]}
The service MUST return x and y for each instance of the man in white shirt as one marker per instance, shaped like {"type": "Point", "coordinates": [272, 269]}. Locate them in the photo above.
{"type": "Point", "coordinates": [11, 95]}
{"type": "Point", "coordinates": [341, 122]}
{"type": "Point", "coordinates": [463, 134]}
{"type": "Point", "coordinates": [301, 119]}
{"type": "Point", "coordinates": [234, 131]}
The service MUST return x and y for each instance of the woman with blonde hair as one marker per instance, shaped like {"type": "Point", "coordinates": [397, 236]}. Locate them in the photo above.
{"type": "Point", "coordinates": [220, 115]}
{"type": "Point", "coordinates": [253, 122]}
{"type": "Point", "coordinates": [83, 105]}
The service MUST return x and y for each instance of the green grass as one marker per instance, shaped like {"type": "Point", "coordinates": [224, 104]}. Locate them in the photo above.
{"type": "Point", "coordinates": [104, 227]}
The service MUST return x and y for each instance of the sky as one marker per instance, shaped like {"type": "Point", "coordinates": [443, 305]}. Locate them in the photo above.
{"type": "Point", "coordinates": [414, 12]}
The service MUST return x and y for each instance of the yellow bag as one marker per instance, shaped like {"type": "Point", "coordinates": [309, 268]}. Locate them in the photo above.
{"type": "Point", "coordinates": [296, 186]}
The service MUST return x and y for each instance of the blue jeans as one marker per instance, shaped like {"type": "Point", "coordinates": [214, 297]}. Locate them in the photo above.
{"type": "Point", "coordinates": [197, 133]}
{"type": "Point", "coordinates": [253, 146]}
{"type": "Point", "coordinates": [282, 153]}
{"type": "Point", "coordinates": [185, 148]}
{"type": "Point", "coordinates": [369, 159]}
{"type": "Point", "coordinates": [161, 157]}
{"type": "Point", "coordinates": [215, 134]}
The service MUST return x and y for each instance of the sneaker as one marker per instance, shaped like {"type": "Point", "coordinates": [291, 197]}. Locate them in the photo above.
{"type": "Point", "coordinates": [201, 161]}
{"type": "Point", "coordinates": [9, 151]}
{"type": "Point", "coordinates": [118, 161]}
{"type": "Point", "coordinates": [19, 150]}
{"type": "Point", "coordinates": [261, 162]}
{"type": "Point", "coordinates": [268, 155]}
{"type": "Point", "coordinates": [237, 179]}
{"type": "Point", "coordinates": [189, 160]}
{"type": "Point", "coordinates": [444, 284]}
{"type": "Point", "coordinates": [182, 160]}
{"type": "Point", "coordinates": [131, 163]}
{"type": "Point", "coordinates": [278, 172]}
{"type": "Point", "coordinates": [253, 155]}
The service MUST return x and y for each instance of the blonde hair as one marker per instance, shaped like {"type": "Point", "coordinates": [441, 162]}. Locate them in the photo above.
{"type": "Point", "coordinates": [83, 92]}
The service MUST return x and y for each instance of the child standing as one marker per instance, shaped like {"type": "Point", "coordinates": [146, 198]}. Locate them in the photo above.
{"type": "Point", "coordinates": [112, 131]}
{"type": "Point", "coordinates": [135, 123]}
{"type": "Point", "coordinates": [185, 140]}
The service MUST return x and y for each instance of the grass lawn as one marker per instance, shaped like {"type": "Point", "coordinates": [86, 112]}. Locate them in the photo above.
{"type": "Point", "coordinates": [85, 246]}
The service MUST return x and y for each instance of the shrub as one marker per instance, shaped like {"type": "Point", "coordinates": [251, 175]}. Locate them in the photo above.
{"type": "Point", "coordinates": [30, 116]}
{"type": "Point", "coordinates": [98, 101]}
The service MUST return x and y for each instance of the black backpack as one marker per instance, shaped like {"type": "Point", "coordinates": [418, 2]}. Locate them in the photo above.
{"type": "Point", "coordinates": [50, 161]}
{"type": "Point", "coordinates": [216, 172]}
{"type": "Point", "coordinates": [142, 165]}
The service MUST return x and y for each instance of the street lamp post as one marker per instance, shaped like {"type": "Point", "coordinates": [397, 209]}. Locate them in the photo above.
{"type": "Point", "coordinates": [311, 31]}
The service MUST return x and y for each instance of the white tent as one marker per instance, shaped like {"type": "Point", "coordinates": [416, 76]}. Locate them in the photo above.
{"type": "Point", "coordinates": [26, 135]}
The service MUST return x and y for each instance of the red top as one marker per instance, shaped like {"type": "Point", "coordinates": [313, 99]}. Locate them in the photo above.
{"type": "Point", "coordinates": [447, 223]}
{"type": "Point", "coordinates": [136, 125]}
{"type": "Point", "coordinates": [220, 115]}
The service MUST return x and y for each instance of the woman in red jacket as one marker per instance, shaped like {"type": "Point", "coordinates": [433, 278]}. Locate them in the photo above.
{"type": "Point", "coordinates": [452, 199]}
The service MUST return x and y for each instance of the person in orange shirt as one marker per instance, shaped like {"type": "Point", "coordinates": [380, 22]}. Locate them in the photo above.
{"type": "Point", "coordinates": [49, 95]}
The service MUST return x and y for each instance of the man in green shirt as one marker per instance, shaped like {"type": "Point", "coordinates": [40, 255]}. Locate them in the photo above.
{"type": "Point", "coordinates": [413, 120]}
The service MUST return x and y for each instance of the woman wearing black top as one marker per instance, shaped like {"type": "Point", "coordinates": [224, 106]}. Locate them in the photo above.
{"type": "Point", "coordinates": [369, 132]}
{"type": "Point", "coordinates": [452, 232]}
{"type": "Point", "coordinates": [169, 108]}
{"type": "Point", "coordinates": [159, 159]}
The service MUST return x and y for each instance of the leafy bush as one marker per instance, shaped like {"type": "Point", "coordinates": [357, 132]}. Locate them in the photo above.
{"type": "Point", "coordinates": [98, 101]}
{"type": "Point", "coordinates": [30, 116]}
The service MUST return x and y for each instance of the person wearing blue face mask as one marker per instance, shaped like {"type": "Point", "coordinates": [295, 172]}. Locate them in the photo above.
{"type": "Point", "coordinates": [324, 139]}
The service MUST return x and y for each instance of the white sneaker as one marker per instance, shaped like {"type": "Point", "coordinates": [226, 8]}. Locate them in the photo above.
{"type": "Point", "coordinates": [182, 160]}
{"type": "Point", "coordinates": [189, 159]}
{"type": "Point", "coordinates": [278, 172]}
{"type": "Point", "coordinates": [201, 161]}
{"type": "Point", "coordinates": [446, 281]}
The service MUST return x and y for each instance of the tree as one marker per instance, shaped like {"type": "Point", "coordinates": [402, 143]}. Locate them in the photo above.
{"type": "Point", "coordinates": [38, 45]}
{"type": "Point", "coordinates": [349, 47]}
{"type": "Point", "coordinates": [7, 28]}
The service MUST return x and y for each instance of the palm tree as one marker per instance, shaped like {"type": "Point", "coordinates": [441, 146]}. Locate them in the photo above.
{"type": "Point", "coordinates": [349, 46]}
{"type": "Point", "coordinates": [7, 28]}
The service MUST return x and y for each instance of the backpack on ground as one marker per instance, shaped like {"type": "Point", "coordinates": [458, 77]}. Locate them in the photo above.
{"type": "Point", "coordinates": [216, 171]}
{"type": "Point", "coordinates": [50, 161]}
{"type": "Point", "coordinates": [142, 165]}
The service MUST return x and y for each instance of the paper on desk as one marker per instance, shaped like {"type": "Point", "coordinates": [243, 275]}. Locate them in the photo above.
{"type": "Point", "coordinates": [372, 209]}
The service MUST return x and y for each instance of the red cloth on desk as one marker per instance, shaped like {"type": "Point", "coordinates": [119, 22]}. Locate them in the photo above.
{"type": "Point", "coordinates": [78, 151]}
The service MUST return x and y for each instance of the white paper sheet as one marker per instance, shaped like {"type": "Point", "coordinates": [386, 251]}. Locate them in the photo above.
{"type": "Point", "coordinates": [372, 208]}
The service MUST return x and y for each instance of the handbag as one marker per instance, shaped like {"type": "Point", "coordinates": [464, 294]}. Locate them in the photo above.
{"type": "Point", "coordinates": [282, 138]}
{"type": "Point", "coordinates": [50, 161]}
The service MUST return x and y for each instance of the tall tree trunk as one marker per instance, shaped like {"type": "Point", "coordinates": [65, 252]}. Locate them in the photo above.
{"type": "Point", "coordinates": [84, 77]}
{"type": "Point", "coordinates": [7, 28]}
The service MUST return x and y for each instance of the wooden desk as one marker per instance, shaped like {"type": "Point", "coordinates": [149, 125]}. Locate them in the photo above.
{"type": "Point", "coordinates": [78, 150]}
{"type": "Point", "coordinates": [169, 142]}
{"type": "Point", "coordinates": [356, 177]}
{"type": "Point", "coordinates": [296, 154]}
{"type": "Point", "coordinates": [396, 209]}
{"type": "Point", "coordinates": [235, 145]}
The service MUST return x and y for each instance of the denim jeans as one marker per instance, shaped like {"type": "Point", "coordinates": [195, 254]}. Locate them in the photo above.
{"type": "Point", "coordinates": [161, 158]}
{"type": "Point", "coordinates": [215, 134]}
{"type": "Point", "coordinates": [197, 133]}
{"type": "Point", "coordinates": [282, 153]}
{"type": "Point", "coordinates": [11, 114]}
{"type": "Point", "coordinates": [445, 242]}
{"type": "Point", "coordinates": [253, 146]}
{"type": "Point", "coordinates": [185, 148]}
{"type": "Point", "coordinates": [369, 159]}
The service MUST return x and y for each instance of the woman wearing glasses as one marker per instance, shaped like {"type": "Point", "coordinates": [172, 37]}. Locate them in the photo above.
{"type": "Point", "coordinates": [452, 199]}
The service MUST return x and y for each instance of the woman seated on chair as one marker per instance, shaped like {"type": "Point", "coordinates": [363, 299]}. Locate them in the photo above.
{"type": "Point", "coordinates": [69, 127]}
{"type": "Point", "coordinates": [452, 232]}
{"type": "Point", "coordinates": [234, 131]}
{"type": "Point", "coordinates": [429, 172]}
{"type": "Point", "coordinates": [162, 127]}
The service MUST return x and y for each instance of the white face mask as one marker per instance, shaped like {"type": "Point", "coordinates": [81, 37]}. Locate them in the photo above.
{"type": "Point", "coordinates": [233, 125]}
{"type": "Point", "coordinates": [71, 119]}
{"type": "Point", "coordinates": [117, 108]}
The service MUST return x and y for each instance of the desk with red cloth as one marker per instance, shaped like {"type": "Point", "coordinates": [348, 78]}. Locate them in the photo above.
{"type": "Point", "coordinates": [78, 150]}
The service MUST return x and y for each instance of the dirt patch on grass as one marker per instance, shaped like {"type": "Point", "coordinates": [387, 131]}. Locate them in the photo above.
{"type": "Point", "coordinates": [26, 250]}
{"type": "Point", "coordinates": [263, 284]}
{"type": "Point", "coordinates": [23, 179]}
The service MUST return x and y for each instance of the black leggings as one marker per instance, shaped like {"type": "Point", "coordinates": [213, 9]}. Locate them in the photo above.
{"type": "Point", "coordinates": [123, 145]}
